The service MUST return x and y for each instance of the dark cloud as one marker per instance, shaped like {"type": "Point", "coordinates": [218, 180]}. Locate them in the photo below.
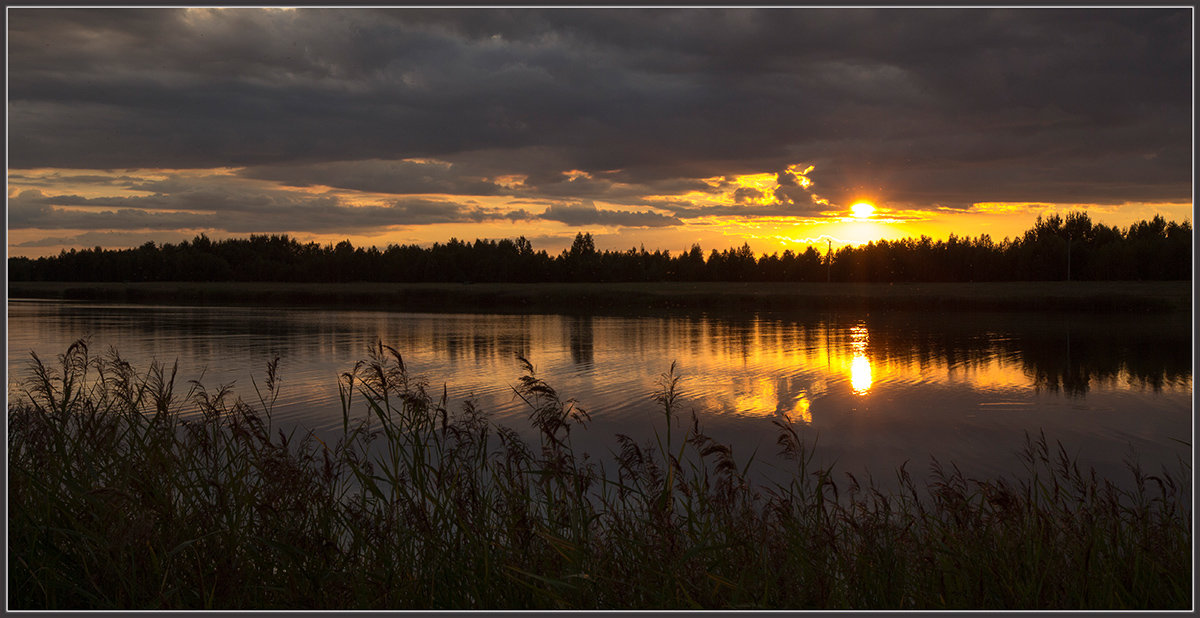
{"type": "Point", "coordinates": [107, 239]}
{"type": "Point", "coordinates": [689, 210]}
{"type": "Point", "coordinates": [281, 211]}
{"type": "Point", "coordinates": [236, 213]}
{"type": "Point", "coordinates": [918, 106]}
{"type": "Point", "coordinates": [377, 176]}
{"type": "Point", "coordinates": [52, 180]}
{"type": "Point", "coordinates": [40, 216]}
{"type": "Point", "coordinates": [747, 194]}
{"type": "Point", "coordinates": [415, 211]}
{"type": "Point", "coordinates": [587, 214]}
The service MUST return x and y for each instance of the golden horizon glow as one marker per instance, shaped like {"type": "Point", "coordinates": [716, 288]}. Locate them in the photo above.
{"type": "Point", "coordinates": [771, 211]}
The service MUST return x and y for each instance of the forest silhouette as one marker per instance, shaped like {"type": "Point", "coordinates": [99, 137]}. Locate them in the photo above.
{"type": "Point", "coordinates": [1055, 248]}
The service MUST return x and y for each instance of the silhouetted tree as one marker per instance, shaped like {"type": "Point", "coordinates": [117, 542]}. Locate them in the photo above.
{"type": "Point", "coordinates": [1153, 249]}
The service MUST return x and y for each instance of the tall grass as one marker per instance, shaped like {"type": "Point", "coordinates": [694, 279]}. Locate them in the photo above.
{"type": "Point", "coordinates": [119, 500]}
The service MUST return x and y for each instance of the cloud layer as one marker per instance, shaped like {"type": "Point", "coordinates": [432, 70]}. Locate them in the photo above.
{"type": "Point", "coordinates": [432, 110]}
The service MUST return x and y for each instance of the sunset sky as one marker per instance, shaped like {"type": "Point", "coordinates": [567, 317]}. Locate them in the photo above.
{"type": "Point", "coordinates": [654, 127]}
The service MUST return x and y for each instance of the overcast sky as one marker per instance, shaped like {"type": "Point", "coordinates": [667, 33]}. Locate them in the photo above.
{"type": "Point", "coordinates": [660, 127]}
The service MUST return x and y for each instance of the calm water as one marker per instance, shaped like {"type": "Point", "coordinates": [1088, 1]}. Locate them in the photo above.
{"type": "Point", "coordinates": [873, 390]}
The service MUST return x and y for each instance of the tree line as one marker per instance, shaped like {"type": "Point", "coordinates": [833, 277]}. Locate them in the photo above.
{"type": "Point", "coordinates": [1055, 248]}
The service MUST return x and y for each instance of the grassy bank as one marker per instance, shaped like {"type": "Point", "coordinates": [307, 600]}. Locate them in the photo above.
{"type": "Point", "coordinates": [1114, 296]}
{"type": "Point", "coordinates": [117, 501]}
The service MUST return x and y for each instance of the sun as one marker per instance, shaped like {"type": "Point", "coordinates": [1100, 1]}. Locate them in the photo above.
{"type": "Point", "coordinates": [862, 210]}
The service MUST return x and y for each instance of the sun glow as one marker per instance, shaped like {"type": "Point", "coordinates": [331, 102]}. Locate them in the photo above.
{"type": "Point", "coordinates": [862, 210]}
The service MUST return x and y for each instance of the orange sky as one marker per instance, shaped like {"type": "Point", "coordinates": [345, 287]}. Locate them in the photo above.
{"type": "Point", "coordinates": [109, 193]}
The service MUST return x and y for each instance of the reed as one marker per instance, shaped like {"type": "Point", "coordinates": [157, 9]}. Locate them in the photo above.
{"type": "Point", "coordinates": [126, 494]}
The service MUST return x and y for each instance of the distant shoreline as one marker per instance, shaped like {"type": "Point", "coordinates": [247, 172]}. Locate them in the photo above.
{"type": "Point", "coordinates": [1103, 297]}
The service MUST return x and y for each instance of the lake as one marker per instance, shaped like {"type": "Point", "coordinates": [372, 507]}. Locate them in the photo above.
{"type": "Point", "coordinates": [873, 390]}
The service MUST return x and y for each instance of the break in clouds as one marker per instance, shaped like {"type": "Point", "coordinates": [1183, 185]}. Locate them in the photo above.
{"type": "Point", "coordinates": [359, 119]}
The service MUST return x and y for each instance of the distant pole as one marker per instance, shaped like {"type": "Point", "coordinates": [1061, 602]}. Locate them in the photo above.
{"type": "Point", "coordinates": [829, 261]}
{"type": "Point", "coordinates": [1068, 256]}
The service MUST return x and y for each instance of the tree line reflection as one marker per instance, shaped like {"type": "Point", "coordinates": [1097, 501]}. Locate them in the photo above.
{"type": "Point", "coordinates": [1068, 354]}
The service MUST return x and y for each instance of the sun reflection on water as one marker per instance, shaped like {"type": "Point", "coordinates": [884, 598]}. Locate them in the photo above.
{"type": "Point", "coordinates": [860, 375]}
{"type": "Point", "coordinates": [860, 365]}
{"type": "Point", "coordinates": [763, 395]}
{"type": "Point", "coordinates": [802, 411]}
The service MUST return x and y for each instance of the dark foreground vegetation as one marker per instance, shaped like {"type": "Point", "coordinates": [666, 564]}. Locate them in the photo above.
{"type": "Point", "coordinates": [117, 500]}
{"type": "Point", "coordinates": [1055, 249]}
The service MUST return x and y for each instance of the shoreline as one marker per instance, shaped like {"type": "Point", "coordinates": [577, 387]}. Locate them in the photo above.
{"type": "Point", "coordinates": [1156, 297]}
